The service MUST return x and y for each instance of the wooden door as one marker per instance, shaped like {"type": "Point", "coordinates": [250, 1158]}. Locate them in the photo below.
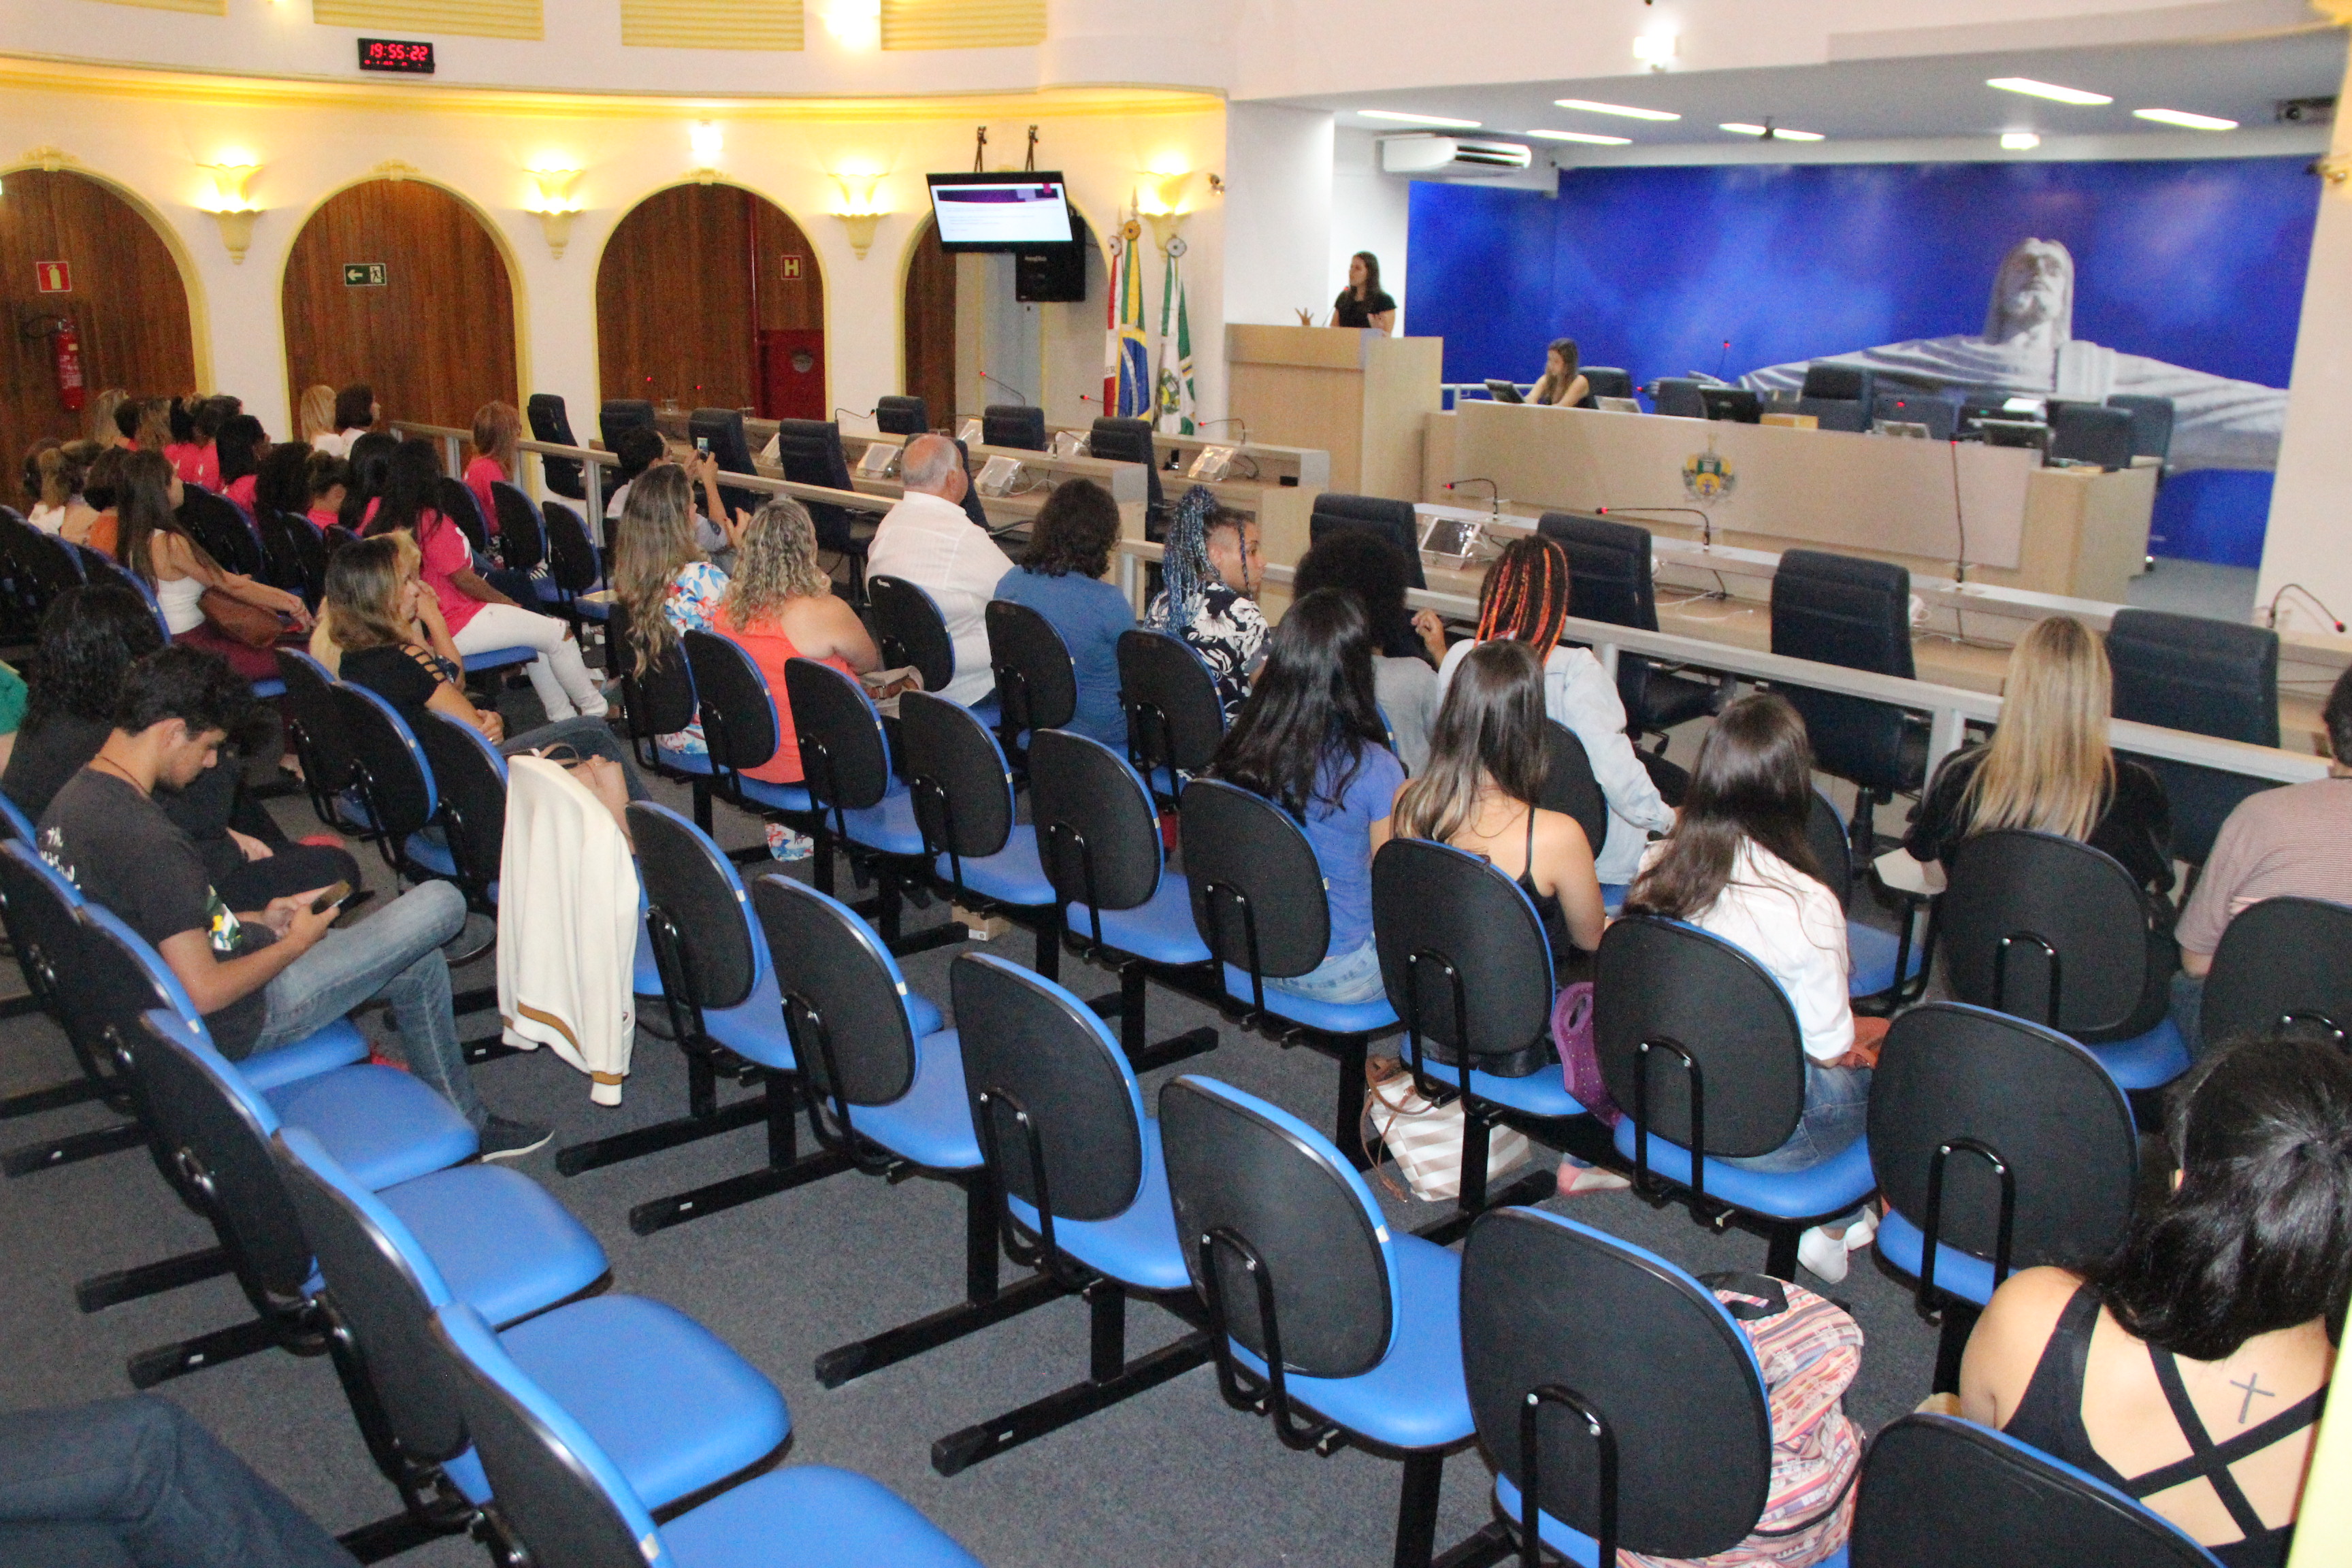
{"type": "Point", "coordinates": [930, 363]}
{"type": "Point", "coordinates": [689, 280]}
{"type": "Point", "coordinates": [436, 337]}
{"type": "Point", "coordinates": [127, 303]}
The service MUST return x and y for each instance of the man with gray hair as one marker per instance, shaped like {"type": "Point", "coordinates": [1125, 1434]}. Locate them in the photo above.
{"type": "Point", "coordinates": [928, 540]}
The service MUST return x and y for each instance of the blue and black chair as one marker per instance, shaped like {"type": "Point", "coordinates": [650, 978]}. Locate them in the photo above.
{"type": "Point", "coordinates": [1885, 969]}
{"type": "Point", "coordinates": [395, 785]}
{"type": "Point", "coordinates": [1940, 1492]}
{"type": "Point", "coordinates": [886, 1089]}
{"type": "Point", "coordinates": [562, 1498]}
{"type": "Point", "coordinates": [522, 532]}
{"type": "Point", "coordinates": [963, 790]}
{"type": "Point", "coordinates": [1396, 522]}
{"type": "Point", "coordinates": [1570, 789]}
{"type": "Point", "coordinates": [1036, 682]}
{"type": "Point", "coordinates": [1133, 441]}
{"type": "Point", "coordinates": [909, 629]}
{"type": "Point", "coordinates": [2209, 678]}
{"type": "Point", "coordinates": [1468, 969]}
{"type": "Point", "coordinates": [900, 415]}
{"type": "Point", "coordinates": [1609, 579]}
{"type": "Point", "coordinates": [314, 733]}
{"type": "Point", "coordinates": [1258, 905]}
{"type": "Point", "coordinates": [1098, 840]}
{"type": "Point", "coordinates": [739, 730]}
{"type": "Point", "coordinates": [37, 909]}
{"type": "Point", "coordinates": [2283, 965]}
{"type": "Point", "coordinates": [681, 1413]}
{"type": "Point", "coordinates": [658, 700]}
{"type": "Point", "coordinates": [1700, 1048]}
{"type": "Point", "coordinates": [1999, 1145]}
{"type": "Point", "coordinates": [1076, 1166]}
{"type": "Point", "coordinates": [1339, 1331]}
{"type": "Point", "coordinates": [551, 423]}
{"type": "Point", "coordinates": [574, 568]}
{"type": "Point", "coordinates": [725, 1011]}
{"type": "Point", "coordinates": [456, 501]}
{"type": "Point", "coordinates": [1855, 614]}
{"type": "Point", "coordinates": [1605, 1382]}
{"type": "Point", "coordinates": [808, 452]}
{"type": "Point", "coordinates": [2053, 931]}
{"type": "Point", "coordinates": [228, 535]}
{"type": "Point", "coordinates": [1175, 720]}
{"type": "Point", "coordinates": [1019, 425]}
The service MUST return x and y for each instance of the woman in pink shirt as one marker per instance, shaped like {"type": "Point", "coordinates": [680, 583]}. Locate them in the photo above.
{"type": "Point", "coordinates": [497, 428]}
{"type": "Point", "coordinates": [240, 446]}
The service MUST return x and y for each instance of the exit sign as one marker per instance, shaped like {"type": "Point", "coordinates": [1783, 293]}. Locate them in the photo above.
{"type": "Point", "coordinates": [54, 277]}
{"type": "Point", "coordinates": [365, 275]}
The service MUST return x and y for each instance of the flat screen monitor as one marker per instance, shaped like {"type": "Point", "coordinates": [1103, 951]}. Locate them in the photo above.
{"type": "Point", "coordinates": [1504, 390]}
{"type": "Point", "coordinates": [1735, 404]}
{"type": "Point", "coordinates": [1001, 212]}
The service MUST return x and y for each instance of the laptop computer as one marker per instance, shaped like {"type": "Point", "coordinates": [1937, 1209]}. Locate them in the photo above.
{"type": "Point", "coordinates": [1504, 392]}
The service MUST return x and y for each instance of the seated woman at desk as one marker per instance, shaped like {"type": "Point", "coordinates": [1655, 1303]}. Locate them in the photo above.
{"type": "Point", "coordinates": [1361, 303]}
{"type": "Point", "coordinates": [1562, 385]}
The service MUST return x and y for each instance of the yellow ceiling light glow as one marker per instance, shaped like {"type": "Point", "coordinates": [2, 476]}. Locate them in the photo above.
{"type": "Point", "coordinates": [854, 24]}
{"type": "Point", "coordinates": [706, 140]}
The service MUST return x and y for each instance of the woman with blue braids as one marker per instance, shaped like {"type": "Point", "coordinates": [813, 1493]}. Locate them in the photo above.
{"type": "Point", "coordinates": [1211, 570]}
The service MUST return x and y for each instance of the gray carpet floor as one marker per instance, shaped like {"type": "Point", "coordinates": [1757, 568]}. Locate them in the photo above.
{"type": "Point", "coordinates": [1171, 1476]}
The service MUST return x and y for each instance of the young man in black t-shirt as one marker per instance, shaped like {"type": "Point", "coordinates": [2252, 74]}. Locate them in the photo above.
{"type": "Point", "coordinates": [262, 978]}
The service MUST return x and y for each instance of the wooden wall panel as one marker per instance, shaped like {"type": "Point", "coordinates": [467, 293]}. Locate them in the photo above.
{"type": "Point", "coordinates": [127, 304]}
{"type": "Point", "coordinates": [931, 362]}
{"type": "Point", "coordinates": [675, 287]}
{"type": "Point", "coordinates": [438, 339]}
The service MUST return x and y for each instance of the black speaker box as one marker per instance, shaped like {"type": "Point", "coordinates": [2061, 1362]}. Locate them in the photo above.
{"type": "Point", "coordinates": [1055, 275]}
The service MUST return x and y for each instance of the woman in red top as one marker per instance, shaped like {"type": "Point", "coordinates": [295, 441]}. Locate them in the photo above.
{"type": "Point", "coordinates": [239, 447]}
{"type": "Point", "coordinates": [196, 422]}
{"type": "Point", "coordinates": [497, 429]}
{"type": "Point", "coordinates": [781, 606]}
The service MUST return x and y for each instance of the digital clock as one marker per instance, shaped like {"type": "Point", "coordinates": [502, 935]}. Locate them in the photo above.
{"type": "Point", "coordinates": [397, 55]}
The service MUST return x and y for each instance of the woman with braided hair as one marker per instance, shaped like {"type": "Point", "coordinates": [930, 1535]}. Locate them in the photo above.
{"type": "Point", "coordinates": [1526, 599]}
{"type": "Point", "coordinates": [1211, 567]}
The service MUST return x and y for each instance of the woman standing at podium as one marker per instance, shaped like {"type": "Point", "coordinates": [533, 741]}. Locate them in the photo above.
{"type": "Point", "coordinates": [1361, 303]}
{"type": "Point", "coordinates": [1563, 385]}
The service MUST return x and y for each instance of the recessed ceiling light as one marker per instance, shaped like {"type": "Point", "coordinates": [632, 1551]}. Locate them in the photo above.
{"type": "Point", "coordinates": [1627, 110]}
{"type": "Point", "coordinates": [1777, 132]}
{"type": "Point", "coordinates": [1418, 118]}
{"type": "Point", "coordinates": [1583, 136]}
{"type": "Point", "coordinates": [2183, 118]}
{"type": "Point", "coordinates": [2019, 141]}
{"type": "Point", "coordinates": [2033, 88]}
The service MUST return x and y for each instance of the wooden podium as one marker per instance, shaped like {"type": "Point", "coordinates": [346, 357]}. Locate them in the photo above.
{"type": "Point", "coordinates": [1359, 394]}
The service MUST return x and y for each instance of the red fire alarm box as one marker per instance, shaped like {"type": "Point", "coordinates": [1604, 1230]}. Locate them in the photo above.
{"type": "Point", "coordinates": [792, 373]}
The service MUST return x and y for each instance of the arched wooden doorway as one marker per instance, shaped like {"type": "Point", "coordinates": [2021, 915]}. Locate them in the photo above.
{"type": "Point", "coordinates": [931, 360]}
{"type": "Point", "coordinates": [970, 341]}
{"type": "Point", "coordinates": [710, 295]}
{"type": "Point", "coordinates": [436, 337]}
{"type": "Point", "coordinates": [125, 300]}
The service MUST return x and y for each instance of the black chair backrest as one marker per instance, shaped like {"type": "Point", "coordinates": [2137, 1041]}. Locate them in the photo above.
{"type": "Point", "coordinates": [1940, 1492]}
{"type": "Point", "coordinates": [1547, 1302]}
{"type": "Point", "coordinates": [570, 554]}
{"type": "Point", "coordinates": [1395, 520]}
{"type": "Point", "coordinates": [454, 501]}
{"type": "Point", "coordinates": [738, 717]}
{"type": "Point", "coordinates": [2028, 918]}
{"type": "Point", "coordinates": [619, 414]}
{"type": "Point", "coordinates": [1832, 849]}
{"type": "Point", "coordinates": [1841, 610]}
{"type": "Point", "coordinates": [1129, 441]}
{"type": "Point", "coordinates": [843, 999]}
{"type": "Point", "coordinates": [50, 942]}
{"type": "Point", "coordinates": [845, 760]}
{"type": "Point", "coordinates": [522, 532]}
{"type": "Point", "coordinates": [297, 564]}
{"type": "Point", "coordinates": [215, 522]}
{"type": "Point", "coordinates": [723, 430]}
{"type": "Point", "coordinates": [898, 415]}
{"type": "Point", "coordinates": [974, 506]}
{"type": "Point", "coordinates": [1939, 415]}
{"type": "Point", "coordinates": [2091, 433]}
{"type": "Point", "coordinates": [1605, 380]}
{"type": "Point", "coordinates": [1681, 990]}
{"type": "Point", "coordinates": [1253, 876]}
{"type": "Point", "coordinates": [1174, 718]}
{"type": "Point", "coordinates": [1845, 383]}
{"type": "Point", "coordinates": [551, 423]}
{"type": "Point", "coordinates": [1036, 684]}
{"type": "Point", "coordinates": [470, 779]}
{"type": "Point", "coordinates": [1678, 395]}
{"type": "Point", "coordinates": [2283, 963]}
{"type": "Point", "coordinates": [1463, 951]}
{"type": "Point", "coordinates": [391, 764]}
{"type": "Point", "coordinates": [1834, 413]}
{"type": "Point", "coordinates": [911, 629]}
{"type": "Point", "coordinates": [809, 452]}
{"type": "Point", "coordinates": [963, 791]}
{"type": "Point", "coordinates": [1609, 569]}
{"type": "Point", "coordinates": [1237, 1165]}
{"type": "Point", "coordinates": [1569, 787]}
{"type": "Point", "coordinates": [309, 704]}
{"type": "Point", "coordinates": [661, 701]}
{"type": "Point", "coordinates": [690, 881]}
{"type": "Point", "coordinates": [1017, 425]}
{"type": "Point", "coordinates": [2209, 678]}
{"type": "Point", "coordinates": [1097, 830]}
{"type": "Point", "coordinates": [2151, 428]}
{"type": "Point", "coordinates": [1029, 1047]}
{"type": "Point", "coordinates": [1998, 1088]}
{"type": "Point", "coordinates": [48, 564]}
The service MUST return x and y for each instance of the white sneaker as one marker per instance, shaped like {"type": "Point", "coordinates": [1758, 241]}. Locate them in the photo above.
{"type": "Point", "coordinates": [1823, 1254]}
{"type": "Point", "coordinates": [1861, 1233]}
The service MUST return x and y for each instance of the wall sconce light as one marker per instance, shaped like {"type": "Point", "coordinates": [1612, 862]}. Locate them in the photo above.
{"type": "Point", "coordinates": [858, 213]}
{"type": "Point", "coordinates": [556, 209]}
{"type": "Point", "coordinates": [1657, 50]}
{"type": "Point", "coordinates": [232, 210]}
{"type": "Point", "coordinates": [854, 24]}
{"type": "Point", "coordinates": [1159, 202]}
{"type": "Point", "coordinates": [707, 141]}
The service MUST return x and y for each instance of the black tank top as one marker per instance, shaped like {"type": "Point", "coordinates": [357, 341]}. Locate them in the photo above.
{"type": "Point", "coordinates": [2050, 1417]}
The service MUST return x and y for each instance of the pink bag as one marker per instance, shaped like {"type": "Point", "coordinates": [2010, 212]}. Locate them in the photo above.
{"type": "Point", "coordinates": [1571, 1031]}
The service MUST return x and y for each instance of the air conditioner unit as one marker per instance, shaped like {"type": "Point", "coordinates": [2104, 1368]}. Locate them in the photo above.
{"type": "Point", "coordinates": [1452, 155]}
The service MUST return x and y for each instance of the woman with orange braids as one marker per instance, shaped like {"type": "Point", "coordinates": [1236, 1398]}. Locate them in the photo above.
{"type": "Point", "coordinates": [1526, 599]}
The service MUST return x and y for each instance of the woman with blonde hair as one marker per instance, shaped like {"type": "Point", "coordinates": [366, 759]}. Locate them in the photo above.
{"type": "Point", "coordinates": [781, 606]}
{"type": "Point", "coordinates": [103, 428]}
{"type": "Point", "coordinates": [2048, 766]}
{"type": "Point", "coordinates": [662, 578]}
{"type": "Point", "coordinates": [497, 432]}
{"type": "Point", "coordinates": [314, 418]}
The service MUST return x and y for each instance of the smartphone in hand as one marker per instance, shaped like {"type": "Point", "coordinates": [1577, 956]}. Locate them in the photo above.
{"type": "Point", "coordinates": [331, 897]}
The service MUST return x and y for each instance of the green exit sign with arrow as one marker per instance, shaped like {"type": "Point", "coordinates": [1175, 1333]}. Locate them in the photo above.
{"type": "Point", "coordinates": [365, 275]}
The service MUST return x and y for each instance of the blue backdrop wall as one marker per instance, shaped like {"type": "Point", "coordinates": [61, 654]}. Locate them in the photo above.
{"type": "Point", "coordinates": [2197, 263]}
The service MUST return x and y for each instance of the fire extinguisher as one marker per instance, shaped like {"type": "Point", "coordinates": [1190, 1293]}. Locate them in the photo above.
{"type": "Point", "coordinates": [64, 349]}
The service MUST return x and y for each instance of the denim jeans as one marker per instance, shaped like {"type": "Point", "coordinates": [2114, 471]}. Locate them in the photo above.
{"type": "Point", "coordinates": [395, 955]}
{"type": "Point", "coordinates": [1837, 1109]}
{"type": "Point", "coordinates": [589, 737]}
{"type": "Point", "coordinates": [2188, 1011]}
{"type": "Point", "coordinates": [138, 1479]}
{"type": "Point", "coordinates": [1342, 977]}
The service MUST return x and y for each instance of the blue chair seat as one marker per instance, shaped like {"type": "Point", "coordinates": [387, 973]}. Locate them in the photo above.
{"type": "Point", "coordinates": [1872, 954]}
{"type": "Point", "coordinates": [888, 826]}
{"type": "Point", "coordinates": [695, 762]}
{"type": "Point", "coordinates": [673, 1405]}
{"type": "Point", "coordinates": [645, 975]}
{"type": "Point", "coordinates": [382, 1125]}
{"type": "Point", "coordinates": [810, 1516]}
{"type": "Point", "coordinates": [776, 797]}
{"type": "Point", "coordinates": [266, 690]}
{"type": "Point", "coordinates": [1333, 1018]}
{"type": "Point", "coordinates": [1158, 929]}
{"type": "Point", "coordinates": [499, 659]}
{"type": "Point", "coordinates": [924, 1014]}
{"type": "Point", "coordinates": [431, 854]}
{"type": "Point", "coordinates": [1012, 875]}
{"type": "Point", "coordinates": [931, 1124]}
{"type": "Point", "coordinates": [1613, 895]}
{"type": "Point", "coordinates": [1575, 1545]}
{"type": "Point", "coordinates": [1543, 1092]}
{"type": "Point", "coordinates": [1415, 1398]}
{"type": "Point", "coordinates": [339, 1045]}
{"type": "Point", "coordinates": [1958, 1273]}
{"type": "Point", "coordinates": [1836, 1184]}
{"type": "Point", "coordinates": [753, 1029]}
{"type": "Point", "coordinates": [502, 1244]}
{"type": "Point", "coordinates": [2150, 1061]}
{"type": "Point", "coordinates": [1137, 1247]}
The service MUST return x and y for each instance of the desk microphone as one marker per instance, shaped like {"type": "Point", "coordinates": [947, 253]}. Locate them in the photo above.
{"type": "Point", "coordinates": [2298, 588]}
{"type": "Point", "coordinates": [1230, 419]}
{"type": "Point", "coordinates": [1705, 519]}
{"type": "Point", "coordinates": [1008, 386]}
{"type": "Point", "coordinates": [1494, 495]}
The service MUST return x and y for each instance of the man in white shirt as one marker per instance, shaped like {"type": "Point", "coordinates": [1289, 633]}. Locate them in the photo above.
{"type": "Point", "coordinates": [928, 540]}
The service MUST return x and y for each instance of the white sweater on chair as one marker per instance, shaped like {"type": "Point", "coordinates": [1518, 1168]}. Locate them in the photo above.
{"type": "Point", "coordinates": [567, 925]}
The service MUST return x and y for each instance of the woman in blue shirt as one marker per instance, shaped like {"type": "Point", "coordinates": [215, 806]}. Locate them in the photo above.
{"type": "Point", "coordinates": [1060, 577]}
{"type": "Point", "coordinates": [1311, 739]}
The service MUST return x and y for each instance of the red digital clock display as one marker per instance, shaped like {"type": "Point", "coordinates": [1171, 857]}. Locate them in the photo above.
{"type": "Point", "coordinates": [397, 55]}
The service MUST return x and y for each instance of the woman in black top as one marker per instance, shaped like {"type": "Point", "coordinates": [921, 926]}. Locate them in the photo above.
{"type": "Point", "coordinates": [1361, 303]}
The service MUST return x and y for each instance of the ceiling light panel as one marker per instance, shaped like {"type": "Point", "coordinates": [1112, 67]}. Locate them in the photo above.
{"type": "Point", "coordinates": [2181, 117]}
{"type": "Point", "coordinates": [1419, 119]}
{"type": "Point", "coordinates": [1777, 132]}
{"type": "Point", "coordinates": [2055, 93]}
{"type": "Point", "coordinates": [1625, 110]}
{"type": "Point", "coordinates": [2019, 141]}
{"type": "Point", "coordinates": [1583, 136]}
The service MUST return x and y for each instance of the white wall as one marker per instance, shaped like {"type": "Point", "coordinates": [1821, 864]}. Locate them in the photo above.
{"type": "Point", "coordinates": [1277, 214]}
{"type": "Point", "coordinates": [1369, 211]}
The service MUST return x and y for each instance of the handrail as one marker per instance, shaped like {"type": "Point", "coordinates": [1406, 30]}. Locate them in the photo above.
{"type": "Point", "coordinates": [1950, 709]}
